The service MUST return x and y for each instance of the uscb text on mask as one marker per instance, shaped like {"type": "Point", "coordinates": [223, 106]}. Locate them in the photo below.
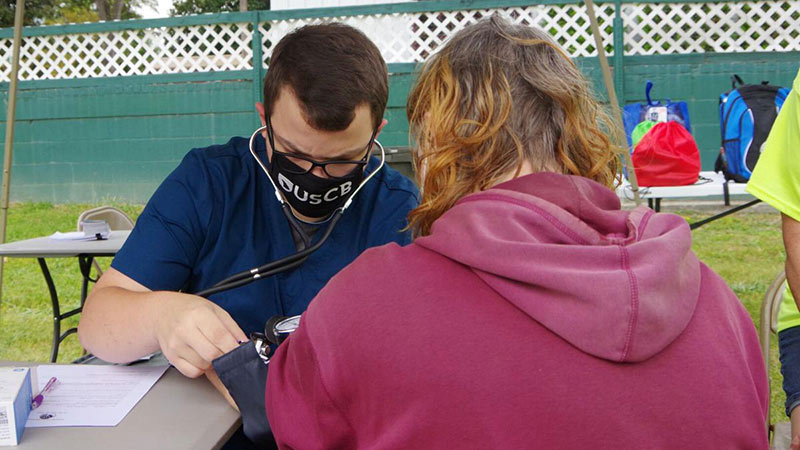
{"type": "Point", "coordinates": [302, 195]}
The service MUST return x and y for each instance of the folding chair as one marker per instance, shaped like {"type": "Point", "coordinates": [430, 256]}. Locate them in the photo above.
{"type": "Point", "coordinates": [116, 219]}
{"type": "Point", "coordinates": [780, 433]}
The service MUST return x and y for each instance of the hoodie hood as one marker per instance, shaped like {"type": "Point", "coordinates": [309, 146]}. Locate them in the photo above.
{"type": "Point", "coordinates": [619, 285]}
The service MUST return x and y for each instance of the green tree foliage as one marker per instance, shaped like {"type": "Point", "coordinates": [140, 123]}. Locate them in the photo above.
{"type": "Point", "coordinates": [36, 12]}
{"type": "Point", "coordinates": [75, 11]}
{"type": "Point", "coordinates": [117, 9]}
{"type": "Point", "coordinates": [189, 7]}
{"type": "Point", "coordinates": [50, 12]}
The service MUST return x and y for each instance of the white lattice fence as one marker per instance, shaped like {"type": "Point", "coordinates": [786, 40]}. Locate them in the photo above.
{"type": "Point", "coordinates": [666, 28]}
{"type": "Point", "coordinates": [650, 29]}
{"type": "Point", "coordinates": [412, 37]}
{"type": "Point", "coordinates": [133, 52]}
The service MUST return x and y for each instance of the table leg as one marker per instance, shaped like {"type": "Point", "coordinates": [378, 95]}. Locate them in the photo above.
{"type": "Point", "coordinates": [58, 336]}
{"type": "Point", "coordinates": [56, 309]}
{"type": "Point", "coordinates": [85, 264]}
{"type": "Point", "coordinates": [726, 194]}
{"type": "Point", "coordinates": [700, 223]}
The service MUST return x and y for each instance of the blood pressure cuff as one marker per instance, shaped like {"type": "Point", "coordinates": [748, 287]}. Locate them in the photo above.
{"type": "Point", "coordinates": [244, 374]}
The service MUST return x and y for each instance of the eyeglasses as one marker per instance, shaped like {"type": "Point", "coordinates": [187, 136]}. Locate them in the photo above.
{"type": "Point", "coordinates": [333, 168]}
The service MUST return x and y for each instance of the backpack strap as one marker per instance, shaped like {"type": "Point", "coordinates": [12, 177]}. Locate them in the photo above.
{"type": "Point", "coordinates": [736, 79]}
{"type": "Point", "coordinates": [647, 89]}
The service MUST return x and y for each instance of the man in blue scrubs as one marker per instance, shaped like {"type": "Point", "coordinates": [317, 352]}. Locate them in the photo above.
{"type": "Point", "coordinates": [218, 214]}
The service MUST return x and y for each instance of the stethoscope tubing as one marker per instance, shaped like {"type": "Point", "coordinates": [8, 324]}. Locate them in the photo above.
{"type": "Point", "coordinates": [289, 262]}
{"type": "Point", "coordinates": [274, 267]}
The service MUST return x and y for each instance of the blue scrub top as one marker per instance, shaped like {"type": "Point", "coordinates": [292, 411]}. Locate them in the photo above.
{"type": "Point", "coordinates": [217, 215]}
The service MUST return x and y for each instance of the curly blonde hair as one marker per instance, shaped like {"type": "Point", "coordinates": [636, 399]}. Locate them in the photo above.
{"type": "Point", "coordinates": [497, 95]}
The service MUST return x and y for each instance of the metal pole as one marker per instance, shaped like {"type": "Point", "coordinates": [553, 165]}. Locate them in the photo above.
{"type": "Point", "coordinates": [10, 113]}
{"type": "Point", "coordinates": [612, 96]}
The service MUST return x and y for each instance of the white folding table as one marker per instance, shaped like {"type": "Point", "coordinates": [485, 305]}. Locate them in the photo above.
{"type": "Point", "coordinates": [45, 247]}
{"type": "Point", "coordinates": [178, 413]}
{"type": "Point", "coordinates": [710, 184]}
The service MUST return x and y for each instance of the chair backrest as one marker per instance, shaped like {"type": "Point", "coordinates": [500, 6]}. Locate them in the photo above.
{"type": "Point", "coordinates": [116, 219]}
{"type": "Point", "coordinates": [769, 321]}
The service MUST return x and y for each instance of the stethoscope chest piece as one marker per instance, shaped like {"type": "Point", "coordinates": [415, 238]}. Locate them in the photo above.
{"type": "Point", "coordinates": [262, 346]}
{"type": "Point", "coordinates": [278, 328]}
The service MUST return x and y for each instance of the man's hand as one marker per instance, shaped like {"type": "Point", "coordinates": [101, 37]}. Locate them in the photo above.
{"type": "Point", "coordinates": [795, 419]}
{"type": "Point", "coordinates": [123, 320]}
{"type": "Point", "coordinates": [192, 332]}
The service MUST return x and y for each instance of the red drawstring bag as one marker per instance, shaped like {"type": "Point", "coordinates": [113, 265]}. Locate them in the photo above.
{"type": "Point", "coordinates": [666, 156]}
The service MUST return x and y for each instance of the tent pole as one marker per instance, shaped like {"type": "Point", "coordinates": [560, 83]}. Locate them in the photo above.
{"type": "Point", "coordinates": [612, 98]}
{"type": "Point", "coordinates": [10, 116]}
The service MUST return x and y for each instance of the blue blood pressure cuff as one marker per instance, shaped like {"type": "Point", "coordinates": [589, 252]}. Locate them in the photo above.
{"type": "Point", "coordinates": [243, 371]}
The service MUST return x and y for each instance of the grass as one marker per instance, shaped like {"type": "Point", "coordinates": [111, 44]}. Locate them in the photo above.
{"type": "Point", "coordinates": [745, 249]}
{"type": "Point", "coordinates": [25, 312]}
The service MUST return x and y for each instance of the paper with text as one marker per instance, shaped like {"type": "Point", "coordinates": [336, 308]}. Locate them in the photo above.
{"type": "Point", "coordinates": [91, 395]}
{"type": "Point", "coordinates": [78, 236]}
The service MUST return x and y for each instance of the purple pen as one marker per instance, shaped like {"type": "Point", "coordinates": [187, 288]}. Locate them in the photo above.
{"type": "Point", "coordinates": [40, 396]}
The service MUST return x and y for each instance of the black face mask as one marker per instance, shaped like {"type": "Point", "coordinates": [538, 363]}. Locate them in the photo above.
{"type": "Point", "coordinates": [308, 194]}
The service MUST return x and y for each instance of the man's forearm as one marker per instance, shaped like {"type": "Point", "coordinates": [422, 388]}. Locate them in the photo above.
{"type": "Point", "coordinates": [791, 240]}
{"type": "Point", "coordinates": [117, 325]}
{"type": "Point", "coordinates": [123, 320]}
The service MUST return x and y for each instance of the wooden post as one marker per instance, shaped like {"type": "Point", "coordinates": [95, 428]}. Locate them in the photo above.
{"type": "Point", "coordinates": [10, 113]}
{"type": "Point", "coordinates": [612, 96]}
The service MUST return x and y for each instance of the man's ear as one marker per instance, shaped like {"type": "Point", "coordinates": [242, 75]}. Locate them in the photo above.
{"type": "Point", "coordinates": [261, 114]}
{"type": "Point", "coordinates": [377, 132]}
{"type": "Point", "coordinates": [380, 127]}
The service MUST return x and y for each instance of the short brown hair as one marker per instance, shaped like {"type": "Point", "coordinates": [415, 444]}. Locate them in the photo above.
{"type": "Point", "coordinates": [331, 68]}
{"type": "Point", "coordinates": [497, 95]}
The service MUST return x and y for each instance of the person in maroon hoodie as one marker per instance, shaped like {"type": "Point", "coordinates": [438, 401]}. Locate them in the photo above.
{"type": "Point", "coordinates": [530, 312]}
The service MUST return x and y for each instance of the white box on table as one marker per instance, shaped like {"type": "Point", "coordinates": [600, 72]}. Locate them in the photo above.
{"type": "Point", "coordinates": [15, 403]}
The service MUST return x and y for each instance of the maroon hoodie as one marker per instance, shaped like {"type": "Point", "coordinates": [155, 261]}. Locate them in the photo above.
{"type": "Point", "coordinates": [537, 314]}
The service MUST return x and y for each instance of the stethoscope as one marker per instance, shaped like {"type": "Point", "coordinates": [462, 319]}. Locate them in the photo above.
{"type": "Point", "coordinates": [296, 259]}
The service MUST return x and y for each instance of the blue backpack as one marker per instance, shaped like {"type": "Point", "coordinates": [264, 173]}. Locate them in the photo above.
{"type": "Point", "coordinates": [656, 111]}
{"type": "Point", "coordinates": [746, 115]}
